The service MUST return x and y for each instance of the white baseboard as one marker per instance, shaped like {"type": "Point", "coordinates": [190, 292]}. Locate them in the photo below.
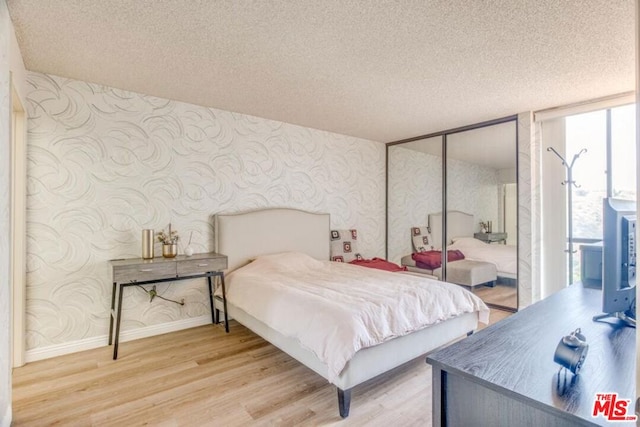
{"type": "Point", "coordinates": [103, 340]}
{"type": "Point", "coordinates": [6, 419]}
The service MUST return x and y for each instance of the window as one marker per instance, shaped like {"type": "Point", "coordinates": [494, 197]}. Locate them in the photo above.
{"type": "Point", "coordinates": [623, 159]}
{"type": "Point", "coordinates": [588, 131]}
{"type": "Point", "coordinates": [610, 139]}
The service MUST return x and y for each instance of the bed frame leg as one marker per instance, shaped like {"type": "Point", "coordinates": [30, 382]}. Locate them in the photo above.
{"type": "Point", "coordinates": [344, 401]}
{"type": "Point", "coordinates": [469, 333]}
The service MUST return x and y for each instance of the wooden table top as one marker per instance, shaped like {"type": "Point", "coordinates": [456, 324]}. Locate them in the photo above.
{"type": "Point", "coordinates": [134, 261]}
{"type": "Point", "coordinates": [515, 355]}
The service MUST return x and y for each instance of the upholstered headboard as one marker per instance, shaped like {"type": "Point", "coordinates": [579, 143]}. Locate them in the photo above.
{"type": "Point", "coordinates": [459, 224]}
{"type": "Point", "coordinates": [243, 236]}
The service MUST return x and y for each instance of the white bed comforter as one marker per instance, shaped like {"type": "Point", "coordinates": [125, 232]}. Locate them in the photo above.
{"type": "Point", "coordinates": [505, 257]}
{"type": "Point", "coordinates": [335, 309]}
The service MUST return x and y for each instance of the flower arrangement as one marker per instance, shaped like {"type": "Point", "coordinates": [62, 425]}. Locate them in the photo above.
{"type": "Point", "coordinates": [168, 238]}
{"type": "Point", "coordinates": [485, 227]}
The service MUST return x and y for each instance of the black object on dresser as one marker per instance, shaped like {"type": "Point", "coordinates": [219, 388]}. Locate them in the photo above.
{"type": "Point", "coordinates": [138, 271]}
{"type": "Point", "coordinates": [591, 265]}
{"type": "Point", "coordinates": [505, 375]}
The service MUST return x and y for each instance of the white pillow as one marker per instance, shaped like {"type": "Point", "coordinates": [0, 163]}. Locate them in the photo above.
{"type": "Point", "coordinates": [285, 261]}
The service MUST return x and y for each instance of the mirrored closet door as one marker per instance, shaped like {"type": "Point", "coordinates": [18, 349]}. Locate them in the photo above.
{"type": "Point", "coordinates": [414, 187]}
{"type": "Point", "coordinates": [457, 189]}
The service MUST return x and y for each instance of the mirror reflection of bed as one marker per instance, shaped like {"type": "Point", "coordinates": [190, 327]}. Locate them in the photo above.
{"type": "Point", "coordinates": [464, 235]}
{"type": "Point", "coordinates": [472, 174]}
{"type": "Point", "coordinates": [488, 269]}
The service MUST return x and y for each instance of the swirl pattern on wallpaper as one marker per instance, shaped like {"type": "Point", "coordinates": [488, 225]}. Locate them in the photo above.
{"type": "Point", "coordinates": [103, 164]}
{"type": "Point", "coordinates": [415, 191]}
{"type": "Point", "coordinates": [529, 244]}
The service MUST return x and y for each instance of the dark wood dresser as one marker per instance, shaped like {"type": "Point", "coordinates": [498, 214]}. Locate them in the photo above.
{"type": "Point", "coordinates": [505, 375]}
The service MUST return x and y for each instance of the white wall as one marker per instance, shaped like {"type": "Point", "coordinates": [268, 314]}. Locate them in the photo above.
{"type": "Point", "coordinates": [18, 197]}
{"type": "Point", "coordinates": [105, 164]}
{"type": "Point", "coordinates": [554, 210]}
{"type": "Point", "coordinates": [510, 206]}
{"type": "Point", "coordinates": [18, 72]}
{"type": "Point", "coordinates": [5, 296]}
{"type": "Point", "coordinates": [11, 70]}
{"type": "Point", "coordinates": [5, 255]}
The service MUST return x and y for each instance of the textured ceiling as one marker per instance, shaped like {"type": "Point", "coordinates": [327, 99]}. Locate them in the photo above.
{"type": "Point", "coordinates": [381, 70]}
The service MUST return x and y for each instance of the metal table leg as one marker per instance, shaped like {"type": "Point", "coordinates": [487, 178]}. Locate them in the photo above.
{"type": "Point", "coordinates": [214, 317]}
{"type": "Point", "coordinates": [119, 315]}
{"type": "Point", "coordinates": [224, 304]}
{"type": "Point", "coordinates": [112, 313]}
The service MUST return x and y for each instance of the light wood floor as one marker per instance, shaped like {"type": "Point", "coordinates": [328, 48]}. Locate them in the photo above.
{"type": "Point", "coordinates": [501, 294]}
{"type": "Point", "coordinates": [202, 376]}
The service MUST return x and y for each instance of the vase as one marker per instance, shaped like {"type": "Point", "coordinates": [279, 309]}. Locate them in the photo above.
{"type": "Point", "coordinates": [169, 250]}
{"type": "Point", "coordinates": [147, 243]}
{"type": "Point", "coordinates": [188, 251]}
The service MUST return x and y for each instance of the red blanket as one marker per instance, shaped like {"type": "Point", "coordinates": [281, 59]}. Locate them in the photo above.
{"type": "Point", "coordinates": [379, 263]}
{"type": "Point", "coordinates": [433, 259]}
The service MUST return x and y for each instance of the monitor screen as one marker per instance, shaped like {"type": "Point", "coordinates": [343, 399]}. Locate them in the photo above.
{"type": "Point", "coordinates": [619, 258]}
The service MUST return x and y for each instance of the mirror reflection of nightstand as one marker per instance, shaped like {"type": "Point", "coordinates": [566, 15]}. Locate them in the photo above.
{"type": "Point", "coordinates": [491, 237]}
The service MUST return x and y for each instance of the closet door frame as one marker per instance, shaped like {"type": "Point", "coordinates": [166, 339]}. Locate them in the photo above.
{"type": "Point", "coordinates": [443, 134]}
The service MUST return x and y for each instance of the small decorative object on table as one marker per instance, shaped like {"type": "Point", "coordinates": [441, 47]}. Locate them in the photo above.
{"type": "Point", "coordinates": [188, 251]}
{"type": "Point", "coordinates": [169, 243]}
{"type": "Point", "coordinates": [147, 243]}
{"type": "Point", "coordinates": [572, 351]}
{"type": "Point", "coordinates": [483, 227]}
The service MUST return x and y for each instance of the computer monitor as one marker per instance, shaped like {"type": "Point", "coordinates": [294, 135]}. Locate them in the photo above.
{"type": "Point", "coordinates": [619, 261]}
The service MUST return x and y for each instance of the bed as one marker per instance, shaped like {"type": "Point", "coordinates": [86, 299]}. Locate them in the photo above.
{"type": "Point", "coordinates": [461, 227]}
{"type": "Point", "coordinates": [246, 236]}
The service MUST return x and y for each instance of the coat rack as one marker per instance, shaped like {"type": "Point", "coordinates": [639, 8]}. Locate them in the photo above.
{"type": "Point", "coordinates": [570, 184]}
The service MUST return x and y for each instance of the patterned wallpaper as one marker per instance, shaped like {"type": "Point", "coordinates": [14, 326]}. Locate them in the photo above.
{"type": "Point", "coordinates": [529, 211]}
{"type": "Point", "coordinates": [103, 164]}
{"type": "Point", "coordinates": [415, 191]}
{"type": "Point", "coordinates": [473, 189]}
{"type": "Point", "coordinates": [5, 167]}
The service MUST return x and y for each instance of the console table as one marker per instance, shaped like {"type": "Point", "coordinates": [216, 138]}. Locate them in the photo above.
{"type": "Point", "coordinates": [138, 271]}
{"type": "Point", "coordinates": [491, 237]}
{"type": "Point", "coordinates": [505, 375]}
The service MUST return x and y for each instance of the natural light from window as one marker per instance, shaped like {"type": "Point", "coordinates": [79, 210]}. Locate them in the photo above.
{"type": "Point", "coordinates": [589, 131]}
{"type": "Point", "coordinates": [623, 141]}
